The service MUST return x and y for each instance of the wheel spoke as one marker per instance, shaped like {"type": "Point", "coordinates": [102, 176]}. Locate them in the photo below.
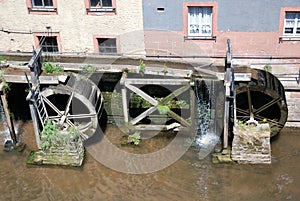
{"type": "Point", "coordinates": [81, 116]}
{"type": "Point", "coordinates": [67, 109]}
{"type": "Point", "coordinates": [267, 105]}
{"type": "Point", "coordinates": [52, 106]}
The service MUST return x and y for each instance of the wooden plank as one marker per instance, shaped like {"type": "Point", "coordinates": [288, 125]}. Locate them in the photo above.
{"type": "Point", "coordinates": [123, 78]}
{"type": "Point", "coordinates": [157, 81]}
{"type": "Point", "coordinates": [143, 115]}
{"type": "Point", "coordinates": [178, 118]}
{"type": "Point", "coordinates": [8, 118]}
{"type": "Point", "coordinates": [22, 79]}
{"type": "Point", "coordinates": [147, 127]}
{"type": "Point", "coordinates": [124, 103]}
{"type": "Point", "coordinates": [175, 93]}
{"type": "Point", "coordinates": [141, 93]}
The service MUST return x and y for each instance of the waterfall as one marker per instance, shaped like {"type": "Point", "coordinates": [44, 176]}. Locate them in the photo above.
{"type": "Point", "coordinates": [206, 137]}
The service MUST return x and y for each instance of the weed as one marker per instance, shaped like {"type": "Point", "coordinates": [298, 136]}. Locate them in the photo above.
{"type": "Point", "coordinates": [164, 70]}
{"type": "Point", "coordinates": [50, 68]}
{"type": "Point", "coordinates": [88, 70]}
{"type": "Point", "coordinates": [163, 109]}
{"type": "Point", "coordinates": [142, 67]}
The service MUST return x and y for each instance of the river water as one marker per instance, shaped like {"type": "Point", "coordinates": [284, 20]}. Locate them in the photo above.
{"type": "Point", "coordinates": [187, 179]}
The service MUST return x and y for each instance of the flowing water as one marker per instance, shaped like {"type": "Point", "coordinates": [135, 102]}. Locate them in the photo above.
{"type": "Point", "coordinates": [187, 179]}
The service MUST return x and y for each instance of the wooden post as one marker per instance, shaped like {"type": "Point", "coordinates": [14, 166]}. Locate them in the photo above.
{"type": "Point", "coordinates": [7, 116]}
{"type": "Point", "coordinates": [227, 83]}
{"type": "Point", "coordinates": [192, 108]}
{"type": "Point", "coordinates": [35, 125]}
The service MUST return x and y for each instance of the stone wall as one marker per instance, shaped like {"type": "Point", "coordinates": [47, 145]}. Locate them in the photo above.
{"type": "Point", "coordinates": [76, 28]}
{"type": "Point", "coordinates": [251, 144]}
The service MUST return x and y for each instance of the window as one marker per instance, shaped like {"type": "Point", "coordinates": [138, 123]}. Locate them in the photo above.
{"type": "Point", "coordinates": [107, 45]}
{"type": "Point", "coordinates": [101, 3]}
{"type": "Point", "coordinates": [42, 6]}
{"type": "Point", "coordinates": [42, 3]}
{"type": "Point", "coordinates": [199, 21]}
{"type": "Point", "coordinates": [100, 6]}
{"type": "Point", "coordinates": [49, 44]}
{"type": "Point", "coordinates": [292, 24]}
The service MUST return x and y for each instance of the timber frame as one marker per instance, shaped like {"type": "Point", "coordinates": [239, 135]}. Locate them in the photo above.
{"type": "Point", "coordinates": [129, 84]}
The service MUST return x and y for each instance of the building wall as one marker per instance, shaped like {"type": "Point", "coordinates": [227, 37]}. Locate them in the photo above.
{"type": "Point", "coordinates": [254, 27]}
{"type": "Point", "coordinates": [76, 29]}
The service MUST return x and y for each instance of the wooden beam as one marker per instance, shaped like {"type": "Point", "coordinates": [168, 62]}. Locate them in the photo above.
{"type": "Point", "coordinates": [22, 79]}
{"type": "Point", "coordinates": [124, 103]}
{"type": "Point", "coordinates": [175, 93]}
{"type": "Point", "coordinates": [178, 118]}
{"type": "Point", "coordinates": [141, 93]}
{"type": "Point", "coordinates": [8, 118]}
{"type": "Point", "coordinates": [123, 78]}
{"type": "Point", "coordinates": [157, 81]}
{"type": "Point", "coordinates": [143, 115]}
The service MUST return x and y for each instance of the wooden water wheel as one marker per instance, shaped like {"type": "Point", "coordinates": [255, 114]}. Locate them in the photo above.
{"type": "Point", "coordinates": [76, 104]}
{"type": "Point", "coordinates": [263, 98]}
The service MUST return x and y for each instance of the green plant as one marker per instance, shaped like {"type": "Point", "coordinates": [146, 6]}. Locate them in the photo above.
{"type": "Point", "coordinates": [163, 109]}
{"type": "Point", "coordinates": [164, 70]}
{"type": "Point", "coordinates": [142, 66]}
{"type": "Point", "coordinates": [52, 136]}
{"type": "Point", "coordinates": [88, 70]}
{"type": "Point", "coordinates": [134, 138]}
{"type": "Point", "coordinates": [242, 125]}
{"type": "Point", "coordinates": [50, 68]}
{"type": "Point", "coordinates": [2, 58]}
{"type": "Point", "coordinates": [268, 68]}
{"type": "Point", "coordinates": [6, 86]}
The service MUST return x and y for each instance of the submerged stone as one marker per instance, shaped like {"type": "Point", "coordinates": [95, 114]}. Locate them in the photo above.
{"type": "Point", "coordinates": [57, 156]}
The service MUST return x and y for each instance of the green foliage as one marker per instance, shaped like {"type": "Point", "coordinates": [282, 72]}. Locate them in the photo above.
{"type": "Point", "coordinates": [164, 70]}
{"type": "Point", "coordinates": [134, 138]}
{"type": "Point", "coordinates": [137, 101]}
{"type": "Point", "coordinates": [163, 109]}
{"type": "Point", "coordinates": [142, 66]}
{"type": "Point", "coordinates": [52, 136]}
{"type": "Point", "coordinates": [2, 58]}
{"type": "Point", "coordinates": [268, 68]}
{"type": "Point", "coordinates": [6, 86]}
{"type": "Point", "coordinates": [88, 70]}
{"type": "Point", "coordinates": [242, 125]}
{"type": "Point", "coordinates": [50, 68]}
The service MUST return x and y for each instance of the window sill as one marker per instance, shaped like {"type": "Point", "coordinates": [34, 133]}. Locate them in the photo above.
{"type": "Point", "coordinates": [200, 38]}
{"type": "Point", "coordinates": [42, 10]}
{"type": "Point", "coordinates": [289, 38]}
{"type": "Point", "coordinates": [100, 10]}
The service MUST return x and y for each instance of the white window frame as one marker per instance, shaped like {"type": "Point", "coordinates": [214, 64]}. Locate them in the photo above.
{"type": "Point", "coordinates": [100, 8]}
{"type": "Point", "coordinates": [43, 6]}
{"type": "Point", "coordinates": [203, 24]}
{"type": "Point", "coordinates": [296, 24]}
{"type": "Point", "coordinates": [106, 47]}
{"type": "Point", "coordinates": [49, 46]}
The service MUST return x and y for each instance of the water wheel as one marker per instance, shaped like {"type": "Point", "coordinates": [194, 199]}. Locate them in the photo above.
{"type": "Point", "coordinates": [76, 104]}
{"type": "Point", "coordinates": [263, 98]}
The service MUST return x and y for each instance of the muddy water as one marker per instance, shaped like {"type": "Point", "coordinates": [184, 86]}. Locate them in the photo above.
{"type": "Point", "coordinates": [187, 179]}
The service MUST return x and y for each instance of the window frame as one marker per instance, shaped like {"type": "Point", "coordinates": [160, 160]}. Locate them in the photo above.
{"type": "Point", "coordinates": [285, 36]}
{"type": "Point", "coordinates": [100, 10]}
{"type": "Point", "coordinates": [48, 10]}
{"type": "Point", "coordinates": [37, 41]}
{"type": "Point", "coordinates": [186, 6]}
{"type": "Point", "coordinates": [96, 44]}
